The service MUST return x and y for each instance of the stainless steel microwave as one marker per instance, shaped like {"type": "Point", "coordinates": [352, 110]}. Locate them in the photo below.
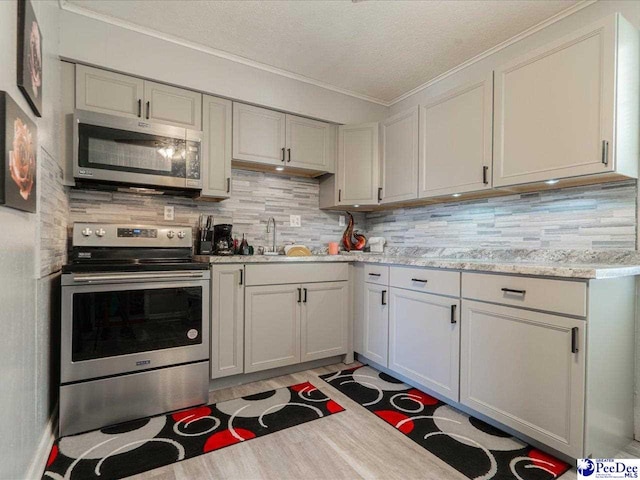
{"type": "Point", "coordinates": [127, 151]}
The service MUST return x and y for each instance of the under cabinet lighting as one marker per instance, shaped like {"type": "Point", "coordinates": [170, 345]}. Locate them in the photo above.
{"type": "Point", "coordinates": [279, 169]}
{"type": "Point", "coordinates": [551, 182]}
{"type": "Point", "coordinates": [456, 195]}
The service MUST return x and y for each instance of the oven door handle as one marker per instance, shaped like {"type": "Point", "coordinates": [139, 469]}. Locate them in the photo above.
{"type": "Point", "coordinates": [137, 276]}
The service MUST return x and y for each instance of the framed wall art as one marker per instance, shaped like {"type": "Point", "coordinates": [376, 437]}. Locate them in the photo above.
{"type": "Point", "coordinates": [30, 56]}
{"type": "Point", "coordinates": [19, 147]}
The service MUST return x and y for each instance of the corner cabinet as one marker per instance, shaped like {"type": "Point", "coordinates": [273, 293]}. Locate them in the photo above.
{"type": "Point", "coordinates": [400, 157]}
{"type": "Point", "coordinates": [216, 147]}
{"type": "Point", "coordinates": [116, 94]}
{"type": "Point", "coordinates": [570, 108]}
{"type": "Point", "coordinates": [456, 140]}
{"type": "Point", "coordinates": [295, 144]}
{"type": "Point", "coordinates": [227, 320]}
{"type": "Point", "coordinates": [358, 169]}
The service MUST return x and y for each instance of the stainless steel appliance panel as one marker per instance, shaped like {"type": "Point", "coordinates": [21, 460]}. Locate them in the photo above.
{"type": "Point", "coordinates": [72, 371]}
{"type": "Point", "coordinates": [130, 151]}
{"type": "Point", "coordinates": [98, 403]}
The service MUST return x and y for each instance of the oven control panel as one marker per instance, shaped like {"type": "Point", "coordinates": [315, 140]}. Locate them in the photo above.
{"type": "Point", "coordinates": [122, 235]}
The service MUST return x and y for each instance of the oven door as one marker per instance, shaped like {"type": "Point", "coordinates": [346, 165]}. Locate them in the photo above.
{"type": "Point", "coordinates": [129, 151]}
{"type": "Point", "coordinates": [128, 322]}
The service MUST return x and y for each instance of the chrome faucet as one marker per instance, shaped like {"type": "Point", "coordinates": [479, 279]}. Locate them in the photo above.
{"type": "Point", "coordinates": [271, 219]}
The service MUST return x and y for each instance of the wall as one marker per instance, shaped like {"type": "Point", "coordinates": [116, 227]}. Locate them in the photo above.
{"type": "Point", "coordinates": [594, 217]}
{"type": "Point", "coordinates": [26, 397]}
{"type": "Point", "coordinates": [256, 197]}
{"type": "Point", "coordinates": [94, 42]}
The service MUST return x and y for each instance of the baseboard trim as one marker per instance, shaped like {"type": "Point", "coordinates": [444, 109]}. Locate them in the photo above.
{"type": "Point", "coordinates": [41, 455]}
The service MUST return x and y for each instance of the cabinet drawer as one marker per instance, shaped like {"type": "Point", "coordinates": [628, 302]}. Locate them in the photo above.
{"type": "Point", "coordinates": [426, 280]}
{"type": "Point", "coordinates": [376, 274]}
{"type": "Point", "coordinates": [559, 296]}
{"type": "Point", "coordinates": [302, 273]}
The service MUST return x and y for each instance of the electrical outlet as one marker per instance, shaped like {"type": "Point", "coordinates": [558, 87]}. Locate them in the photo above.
{"type": "Point", "coordinates": [342, 221]}
{"type": "Point", "coordinates": [294, 220]}
{"type": "Point", "coordinates": [169, 213]}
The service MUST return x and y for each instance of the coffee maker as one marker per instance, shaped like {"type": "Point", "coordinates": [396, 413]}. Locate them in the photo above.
{"type": "Point", "coordinates": [222, 239]}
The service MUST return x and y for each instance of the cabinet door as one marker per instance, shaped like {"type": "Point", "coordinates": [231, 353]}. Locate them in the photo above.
{"type": "Point", "coordinates": [376, 323]}
{"type": "Point", "coordinates": [325, 310]}
{"type": "Point", "coordinates": [216, 147]}
{"type": "Point", "coordinates": [424, 339]}
{"type": "Point", "coordinates": [400, 157]}
{"type": "Point", "coordinates": [554, 107]}
{"type": "Point", "coordinates": [173, 106]}
{"type": "Point", "coordinates": [456, 140]}
{"type": "Point", "coordinates": [310, 144]}
{"type": "Point", "coordinates": [527, 370]}
{"type": "Point", "coordinates": [272, 327]}
{"type": "Point", "coordinates": [358, 166]}
{"type": "Point", "coordinates": [227, 320]}
{"type": "Point", "coordinates": [258, 135]}
{"type": "Point", "coordinates": [107, 92]}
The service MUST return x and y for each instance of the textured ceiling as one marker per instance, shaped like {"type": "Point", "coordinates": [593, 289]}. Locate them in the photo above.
{"type": "Point", "coordinates": [380, 49]}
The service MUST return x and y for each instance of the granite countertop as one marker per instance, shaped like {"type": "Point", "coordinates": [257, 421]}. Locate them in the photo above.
{"type": "Point", "coordinates": [548, 263]}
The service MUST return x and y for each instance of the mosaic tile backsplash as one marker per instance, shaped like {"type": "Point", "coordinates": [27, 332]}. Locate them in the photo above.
{"type": "Point", "coordinates": [255, 197]}
{"type": "Point", "coordinates": [591, 218]}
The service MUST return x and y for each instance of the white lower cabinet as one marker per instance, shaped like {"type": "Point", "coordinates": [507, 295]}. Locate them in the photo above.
{"type": "Point", "coordinates": [295, 322]}
{"type": "Point", "coordinates": [424, 339]}
{"type": "Point", "coordinates": [376, 323]}
{"type": "Point", "coordinates": [325, 312]}
{"type": "Point", "coordinates": [272, 327]}
{"type": "Point", "coordinates": [227, 320]}
{"type": "Point", "coordinates": [526, 370]}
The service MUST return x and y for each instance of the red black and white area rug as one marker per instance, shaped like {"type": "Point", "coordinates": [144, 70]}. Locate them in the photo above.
{"type": "Point", "coordinates": [469, 445]}
{"type": "Point", "coordinates": [142, 445]}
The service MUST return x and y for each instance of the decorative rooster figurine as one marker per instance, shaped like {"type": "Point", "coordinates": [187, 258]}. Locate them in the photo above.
{"type": "Point", "coordinates": [348, 242]}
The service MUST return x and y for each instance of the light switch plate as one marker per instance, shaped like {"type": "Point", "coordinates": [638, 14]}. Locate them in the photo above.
{"type": "Point", "coordinates": [169, 213]}
{"type": "Point", "coordinates": [342, 221]}
{"type": "Point", "coordinates": [294, 221]}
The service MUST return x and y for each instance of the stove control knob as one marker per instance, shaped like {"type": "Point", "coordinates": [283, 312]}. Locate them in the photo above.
{"type": "Point", "coordinates": [100, 232]}
{"type": "Point", "coordinates": [87, 232]}
{"type": "Point", "coordinates": [180, 234]}
{"type": "Point", "coordinates": [170, 234]}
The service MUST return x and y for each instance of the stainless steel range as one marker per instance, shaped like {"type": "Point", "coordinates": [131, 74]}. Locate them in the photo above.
{"type": "Point", "coordinates": [135, 325]}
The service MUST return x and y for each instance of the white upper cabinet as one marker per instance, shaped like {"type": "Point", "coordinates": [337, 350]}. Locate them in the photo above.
{"type": "Point", "coordinates": [310, 144]}
{"type": "Point", "coordinates": [456, 140]}
{"type": "Point", "coordinates": [258, 135]}
{"type": "Point", "coordinates": [569, 108]}
{"type": "Point", "coordinates": [358, 168]}
{"type": "Point", "coordinates": [107, 92]}
{"type": "Point", "coordinates": [400, 157]}
{"type": "Point", "coordinates": [216, 147]}
{"type": "Point", "coordinates": [173, 106]}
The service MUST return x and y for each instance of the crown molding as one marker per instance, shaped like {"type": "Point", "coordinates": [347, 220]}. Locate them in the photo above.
{"type": "Point", "coordinates": [501, 46]}
{"type": "Point", "coordinates": [65, 5]}
{"type": "Point", "coordinates": [72, 8]}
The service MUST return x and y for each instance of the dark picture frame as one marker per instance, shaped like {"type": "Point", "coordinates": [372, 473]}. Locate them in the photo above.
{"type": "Point", "coordinates": [19, 161]}
{"type": "Point", "coordinates": [30, 56]}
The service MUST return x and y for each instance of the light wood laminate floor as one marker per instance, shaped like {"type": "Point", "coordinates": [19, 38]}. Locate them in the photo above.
{"type": "Point", "coordinates": [353, 444]}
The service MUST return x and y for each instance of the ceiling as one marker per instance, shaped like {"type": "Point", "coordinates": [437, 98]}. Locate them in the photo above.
{"type": "Point", "coordinates": [377, 50]}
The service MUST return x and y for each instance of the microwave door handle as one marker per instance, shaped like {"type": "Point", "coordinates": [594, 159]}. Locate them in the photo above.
{"type": "Point", "coordinates": [140, 276]}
